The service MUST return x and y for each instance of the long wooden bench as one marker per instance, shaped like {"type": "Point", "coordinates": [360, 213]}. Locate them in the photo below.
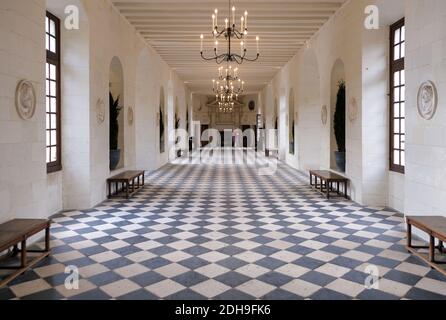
{"type": "Point", "coordinates": [126, 184]}
{"type": "Point", "coordinates": [17, 232]}
{"type": "Point", "coordinates": [327, 180]}
{"type": "Point", "coordinates": [435, 227]}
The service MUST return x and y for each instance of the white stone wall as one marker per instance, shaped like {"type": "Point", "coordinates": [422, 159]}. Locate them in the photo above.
{"type": "Point", "coordinates": [26, 190]}
{"type": "Point", "coordinates": [425, 191]}
{"type": "Point", "coordinates": [23, 178]}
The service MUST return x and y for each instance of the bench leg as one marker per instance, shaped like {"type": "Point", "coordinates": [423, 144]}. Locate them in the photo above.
{"type": "Point", "coordinates": [23, 259]}
{"type": "Point", "coordinates": [345, 190]}
{"type": "Point", "coordinates": [127, 190]}
{"type": "Point", "coordinates": [311, 179]}
{"type": "Point", "coordinates": [47, 239]}
{"type": "Point", "coordinates": [409, 235]}
{"type": "Point", "coordinates": [328, 190]}
{"type": "Point", "coordinates": [432, 249]}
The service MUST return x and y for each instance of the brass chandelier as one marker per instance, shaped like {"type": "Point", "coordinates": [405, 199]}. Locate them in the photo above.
{"type": "Point", "coordinates": [230, 33]}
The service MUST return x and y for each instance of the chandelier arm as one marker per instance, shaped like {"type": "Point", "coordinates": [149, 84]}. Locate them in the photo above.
{"type": "Point", "coordinates": [238, 34]}
{"type": "Point", "coordinates": [237, 58]}
{"type": "Point", "coordinates": [252, 59]}
{"type": "Point", "coordinates": [221, 58]}
{"type": "Point", "coordinates": [209, 58]}
{"type": "Point", "coordinates": [218, 35]}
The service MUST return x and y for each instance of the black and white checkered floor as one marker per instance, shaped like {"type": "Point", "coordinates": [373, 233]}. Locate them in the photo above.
{"type": "Point", "coordinates": [224, 232]}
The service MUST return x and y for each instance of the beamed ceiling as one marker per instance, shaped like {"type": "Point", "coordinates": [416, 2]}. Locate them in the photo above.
{"type": "Point", "coordinates": [173, 28]}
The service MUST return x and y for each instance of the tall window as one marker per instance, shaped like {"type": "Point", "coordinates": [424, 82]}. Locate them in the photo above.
{"type": "Point", "coordinates": [53, 134]}
{"type": "Point", "coordinates": [397, 97]}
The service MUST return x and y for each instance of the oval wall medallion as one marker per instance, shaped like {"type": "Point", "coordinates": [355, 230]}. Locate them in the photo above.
{"type": "Point", "coordinates": [427, 100]}
{"type": "Point", "coordinates": [324, 115]}
{"type": "Point", "coordinates": [25, 99]}
{"type": "Point", "coordinates": [353, 110]}
{"type": "Point", "coordinates": [130, 116]}
{"type": "Point", "coordinates": [252, 105]}
{"type": "Point", "coordinates": [100, 111]}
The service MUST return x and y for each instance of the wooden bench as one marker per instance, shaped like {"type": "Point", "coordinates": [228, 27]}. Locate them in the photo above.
{"type": "Point", "coordinates": [126, 184]}
{"type": "Point", "coordinates": [327, 179]}
{"type": "Point", "coordinates": [271, 153]}
{"type": "Point", "coordinates": [435, 227]}
{"type": "Point", "coordinates": [17, 232]}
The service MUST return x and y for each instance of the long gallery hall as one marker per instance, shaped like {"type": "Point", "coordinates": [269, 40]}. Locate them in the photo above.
{"type": "Point", "coordinates": [222, 150]}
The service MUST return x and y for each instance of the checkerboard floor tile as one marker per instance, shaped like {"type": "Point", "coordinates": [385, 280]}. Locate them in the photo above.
{"type": "Point", "coordinates": [215, 231]}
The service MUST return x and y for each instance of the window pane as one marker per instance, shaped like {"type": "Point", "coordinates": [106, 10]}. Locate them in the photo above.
{"type": "Point", "coordinates": [53, 137]}
{"type": "Point", "coordinates": [53, 105]}
{"type": "Point", "coordinates": [403, 126]}
{"type": "Point", "coordinates": [403, 33]}
{"type": "Point", "coordinates": [48, 121]}
{"type": "Point", "coordinates": [403, 158]}
{"type": "Point", "coordinates": [47, 42]}
{"type": "Point", "coordinates": [48, 156]}
{"type": "Point", "coordinates": [396, 79]}
{"type": "Point", "coordinates": [396, 141]}
{"type": "Point", "coordinates": [396, 110]}
{"type": "Point", "coordinates": [53, 122]}
{"type": "Point", "coordinates": [396, 157]}
{"type": "Point", "coordinates": [403, 110]}
{"type": "Point", "coordinates": [403, 50]}
{"type": "Point", "coordinates": [53, 72]}
{"type": "Point", "coordinates": [48, 88]}
{"type": "Point", "coordinates": [403, 94]}
{"type": "Point", "coordinates": [53, 88]}
{"type": "Point", "coordinates": [52, 44]}
{"type": "Point", "coordinates": [52, 28]}
{"type": "Point", "coordinates": [53, 154]}
{"type": "Point", "coordinates": [397, 36]}
{"type": "Point", "coordinates": [47, 25]}
{"type": "Point", "coordinates": [396, 95]}
{"type": "Point", "coordinates": [403, 77]}
{"type": "Point", "coordinates": [48, 139]}
{"type": "Point", "coordinates": [396, 55]}
{"type": "Point", "coordinates": [396, 126]}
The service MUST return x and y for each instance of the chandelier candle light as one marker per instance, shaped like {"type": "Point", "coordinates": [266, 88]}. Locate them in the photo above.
{"type": "Point", "coordinates": [230, 33]}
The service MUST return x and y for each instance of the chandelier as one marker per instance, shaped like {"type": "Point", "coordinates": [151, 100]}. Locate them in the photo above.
{"type": "Point", "coordinates": [229, 74]}
{"type": "Point", "coordinates": [226, 107]}
{"type": "Point", "coordinates": [230, 33]}
{"type": "Point", "coordinates": [228, 83]}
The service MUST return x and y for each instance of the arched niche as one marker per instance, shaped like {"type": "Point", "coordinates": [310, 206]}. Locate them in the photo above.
{"type": "Point", "coordinates": [162, 121]}
{"type": "Point", "coordinates": [337, 76]}
{"type": "Point", "coordinates": [116, 92]}
{"type": "Point", "coordinates": [309, 101]}
{"type": "Point", "coordinates": [291, 123]}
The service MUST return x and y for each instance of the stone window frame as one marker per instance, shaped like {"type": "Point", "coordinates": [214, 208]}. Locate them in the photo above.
{"type": "Point", "coordinates": [397, 65]}
{"type": "Point", "coordinates": [53, 58]}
